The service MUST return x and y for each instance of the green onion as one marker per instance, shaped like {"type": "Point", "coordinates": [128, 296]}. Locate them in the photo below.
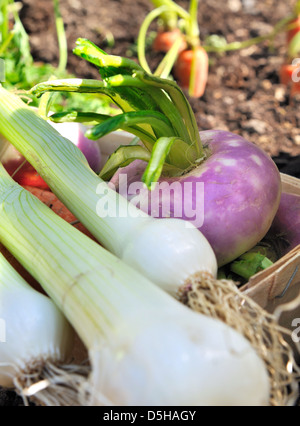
{"type": "Point", "coordinates": [151, 246]}
{"type": "Point", "coordinates": [35, 344]}
{"type": "Point", "coordinates": [145, 347]}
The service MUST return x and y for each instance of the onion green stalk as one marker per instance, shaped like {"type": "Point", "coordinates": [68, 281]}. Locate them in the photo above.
{"type": "Point", "coordinates": [146, 348]}
{"type": "Point", "coordinates": [35, 342]}
{"type": "Point", "coordinates": [168, 252]}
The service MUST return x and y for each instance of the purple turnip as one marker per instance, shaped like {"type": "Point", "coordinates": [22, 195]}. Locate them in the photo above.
{"type": "Point", "coordinates": [241, 193]}
{"type": "Point", "coordinates": [223, 184]}
{"type": "Point", "coordinates": [285, 229]}
{"type": "Point", "coordinates": [24, 173]}
{"type": "Point", "coordinates": [75, 133]}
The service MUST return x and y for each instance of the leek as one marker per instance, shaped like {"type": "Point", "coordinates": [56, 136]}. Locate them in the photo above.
{"type": "Point", "coordinates": [169, 252]}
{"type": "Point", "coordinates": [145, 347]}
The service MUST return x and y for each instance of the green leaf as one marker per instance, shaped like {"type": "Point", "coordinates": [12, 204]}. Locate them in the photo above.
{"type": "Point", "coordinates": [294, 46]}
{"type": "Point", "coordinates": [110, 66]}
{"type": "Point", "coordinates": [182, 155]}
{"type": "Point", "coordinates": [22, 40]}
{"type": "Point", "coordinates": [122, 157]}
{"type": "Point", "coordinates": [159, 96]}
{"type": "Point", "coordinates": [181, 105]}
{"type": "Point", "coordinates": [141, 42]}
{"type": "Point", "coordinates": [250, 264]}
{"type": "Point", "coordinates": [159, 155]}
{"type": "Point", "coordinates": [89, 118]}
{"type": "Point", "coordinates": [77, 85]}
{"type": "Point", "coordinates": [156, 120]}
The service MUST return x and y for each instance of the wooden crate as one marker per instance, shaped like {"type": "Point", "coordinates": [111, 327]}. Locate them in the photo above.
{"type": "Point", "coordinates": [280, 283]}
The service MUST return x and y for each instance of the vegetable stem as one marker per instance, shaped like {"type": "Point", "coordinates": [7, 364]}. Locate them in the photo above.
{"type": "Point", "coordinates": [182, 105]}
{"type": "Point", "coordinates": [62, 40]}
{"type": "Point", "coordinates": [55, 158]}
{"type": "Point", "coordinates": [4, 20]}
{"type": "Point", "coordinates": [72, 281]}
{"type": "Point", "coordinates": [238, 45]}
{"type": "Point", "coordinates": [6, 43]}
{"type": "Point", "coordinates": [165, 67]}
{"type": "Point", "coordinates": [160, 124]}
{"type": "Point", "coordinates": [141, 41]}
{"type": "Point", "coordinates": [133, 89]}
{"type": "Point", "coordinates": [95, 119]}
{"type": "Point", "coordinates": [171, 5]}
{"type": "Point", "coordinates": [193, 31]}
{"type": "Point", "coordinates": [159, 97]}
{"type": "Point", "coordinates": [250, 264]}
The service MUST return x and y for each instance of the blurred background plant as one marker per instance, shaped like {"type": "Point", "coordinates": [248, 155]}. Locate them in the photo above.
{"type": "Point", "coordinates": [22, 72]}
{"type": "Point", "coordinates": [186, 57]}
{"type": "Point", "coordinates": [290, 69]}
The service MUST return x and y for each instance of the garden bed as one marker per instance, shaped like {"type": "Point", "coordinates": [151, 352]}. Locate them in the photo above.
{"type": "Point", "coordinates": [243, 94]}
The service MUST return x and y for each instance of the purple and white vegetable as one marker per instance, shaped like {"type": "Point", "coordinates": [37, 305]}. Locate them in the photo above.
{"type": "Point", "coordinates": [237, 185]}
{"type": "Point", "coordinates": [75, 133]}
{"type": "Point", "coordinates": [241, 193]}
{"type": "Point", "coordinates": [12, 159]}
{"type": "Point", "coordinates": [286, 225]}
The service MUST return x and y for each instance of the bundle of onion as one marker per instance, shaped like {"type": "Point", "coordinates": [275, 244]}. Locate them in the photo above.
{"type": "Point", "coordinates": [36, 343]}
{"type": "Point", "coordinates": [135, 333]}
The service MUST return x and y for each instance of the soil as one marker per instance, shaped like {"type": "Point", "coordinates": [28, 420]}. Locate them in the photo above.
{"type": "Point", "coordinates": [243, 94]}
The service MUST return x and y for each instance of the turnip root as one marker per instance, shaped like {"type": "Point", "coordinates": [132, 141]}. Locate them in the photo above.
{"type": "Point", "coordinates": [286, 225]}
{"type": "Point", "coordinates": [239, 200]}
{"type": "Point", "coordinates": [75, 132]}
{"type": "Point", "coordinates": [223, 184]}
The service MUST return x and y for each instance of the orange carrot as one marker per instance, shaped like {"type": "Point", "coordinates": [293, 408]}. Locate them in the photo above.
{"type": "Point", "coordinates": [295, 28]}
{"type": "Point", "coordinates": [295, 89]}
{"type": "Point", "coordinates": [184, 66]}
{"type": "Point", "coordinates": [164, 40]}
{"type": "Point", "coordinates": [286, 73]}
{"type": "Point", "coordinates": [27, 176]}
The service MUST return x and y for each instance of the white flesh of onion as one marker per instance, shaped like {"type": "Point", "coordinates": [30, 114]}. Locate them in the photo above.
{"type": "Point", "coordinates": [145, 347]}
{"type": "Point", "coordinates": [33, 329]}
